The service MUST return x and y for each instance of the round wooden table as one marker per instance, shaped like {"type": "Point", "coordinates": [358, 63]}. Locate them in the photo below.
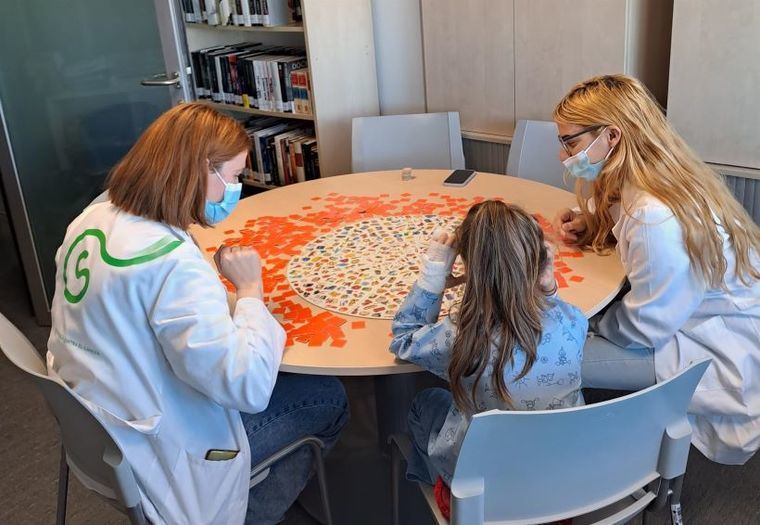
{"type": "Point", "coordinates": [279, 222]}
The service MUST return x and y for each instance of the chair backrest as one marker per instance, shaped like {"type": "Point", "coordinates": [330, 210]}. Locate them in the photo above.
{"type": "Point", "coordinates": [533, 154]}
{"type": "Point", "coordinates": [425, 140]}
{"type": "Point", "coordinates": [91, 452]}
{"type": "Point", "coordinates": [538, 467]}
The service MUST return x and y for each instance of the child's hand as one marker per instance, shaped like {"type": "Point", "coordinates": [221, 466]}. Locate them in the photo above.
{"type": "Point", "coordinates": [547, 281]}
{"type": "Point", "coordinates": [441, 248]}
{"type": "Point", "coordinates": [437, 262]}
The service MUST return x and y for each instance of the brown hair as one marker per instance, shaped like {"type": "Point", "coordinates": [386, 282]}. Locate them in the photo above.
{"type": "Point", "coordinates": [164, 176]}
{"type": "Point", "coordinates": [504, 255]}
{"type": "Point", "coordinates": [652, 157]}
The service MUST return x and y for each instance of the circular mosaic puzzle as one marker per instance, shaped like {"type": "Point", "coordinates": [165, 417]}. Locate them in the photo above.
{"type": "Point", "coordinates": [367, 268]}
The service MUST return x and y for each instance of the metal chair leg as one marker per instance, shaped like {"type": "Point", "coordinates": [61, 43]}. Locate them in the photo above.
{"type": "Point", "coordinates": [322, 480]}
{"type": "Point", "coordinates": [63, 489]}
{"type": "Point", "coordinates": [395, 473]}
{"type": "Point", "coordinates": [675, 501]}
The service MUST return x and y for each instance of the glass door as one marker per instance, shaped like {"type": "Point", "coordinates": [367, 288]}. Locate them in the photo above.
{"type": "Point", "coordinates": [72, 103]}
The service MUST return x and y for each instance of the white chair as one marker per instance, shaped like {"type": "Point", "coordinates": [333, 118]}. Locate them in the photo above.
{"type": "Point", "coordinates": [520, 467]}
{"type": "Point", "coordinates": [425, 140]}
{"type": "Point", "coordinates": [92, 453]}
{"type": "Point", "coordinates": [534, 154]}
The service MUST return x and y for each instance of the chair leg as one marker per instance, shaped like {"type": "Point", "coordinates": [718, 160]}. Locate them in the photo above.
{"type": "Point", "coordinates": [395, 474]}
{"type": "Point", "coordinates": [63, 489]}
{"type": "Point", "coordinates": [675, 501]}
{"type": "Point", "coordinates": [322, 480]}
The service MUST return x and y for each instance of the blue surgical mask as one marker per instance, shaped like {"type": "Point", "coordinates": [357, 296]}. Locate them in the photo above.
{"type": "Point", "coordinates": [579, 165]}
{"type": "Point", "coordinates": [218, 211]}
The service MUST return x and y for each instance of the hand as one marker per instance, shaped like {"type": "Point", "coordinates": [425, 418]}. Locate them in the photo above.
{"type": "Point", "coordinates": [441, 248]}
{"type": "Point", "coordinates": [547, 280]}
{"type": "Point", "coordinates": [570, 225]}
{"type": "Point", "coordinates": [242, 267]}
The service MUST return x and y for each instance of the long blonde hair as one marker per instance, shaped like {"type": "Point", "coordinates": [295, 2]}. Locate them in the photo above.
{"type": "Point", "coordinates": [503, 303]}
{"type": "Point", "coordinates": [652, 157]}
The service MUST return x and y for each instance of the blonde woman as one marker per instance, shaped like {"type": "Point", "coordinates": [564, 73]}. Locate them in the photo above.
{"type": "Point", "coordinates": [511, 343]}
{"type": "Point", "coordinates": [690, 252]}
{"type": "Point", "coordinates": [143, 336]}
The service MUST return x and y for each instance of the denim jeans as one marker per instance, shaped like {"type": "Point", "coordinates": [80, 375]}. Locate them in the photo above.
{"type": "Point", "coordinates": [606, 365]}
{"type": "Point", "coordinates": [301, 405]}
{"type": "Point", "coordinates": [426, 418]}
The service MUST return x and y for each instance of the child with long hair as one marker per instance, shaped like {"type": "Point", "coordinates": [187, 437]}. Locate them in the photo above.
{"type": "Point", "coordinates": [690, 252]}
{"type": "Point", "coordinates": [510, 344]}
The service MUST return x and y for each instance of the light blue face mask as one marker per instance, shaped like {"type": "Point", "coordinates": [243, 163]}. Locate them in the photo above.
{"type": "Point", "coordinates": [581, 167]}
{"type": "Point", "coordinates": [218, 211]}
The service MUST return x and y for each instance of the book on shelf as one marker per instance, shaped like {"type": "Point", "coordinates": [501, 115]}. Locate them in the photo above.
{"type": "Point", "coordinates": [300, 169]}
{"type": "Point", "coordinates": [282, 156]}
{"type": "Point", "coordinates": [276, 155]}
{"type": "Point", "coordinates": [295, 10]}
{"type": "Point", "coordinates": [248, 74]}
{"type": "Point", "coordinates": [310, 158]}
{"type": "Point", "coordinates": [192, 11]}
{"type": "Point", "coordinates": [244, 13]}
{"type": "Point", "coordinates": [301, 87]}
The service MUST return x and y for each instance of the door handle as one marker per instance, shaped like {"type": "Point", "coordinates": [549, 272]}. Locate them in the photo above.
{"type": "Point", "coordinates": [162, 79]}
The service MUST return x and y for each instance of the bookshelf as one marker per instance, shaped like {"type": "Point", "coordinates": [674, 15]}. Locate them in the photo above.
{"type": "Point", "coordinates": [337, 37]}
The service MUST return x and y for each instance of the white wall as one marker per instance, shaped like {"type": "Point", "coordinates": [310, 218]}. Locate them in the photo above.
{"type": "Point", "coordinates": [398, 56]}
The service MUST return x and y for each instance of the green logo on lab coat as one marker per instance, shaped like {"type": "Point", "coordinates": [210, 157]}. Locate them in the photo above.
{"type": "Point", "coordinates": [154, 251]}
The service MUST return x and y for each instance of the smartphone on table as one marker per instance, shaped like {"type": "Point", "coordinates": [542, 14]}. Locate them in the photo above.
{"type": "Point", "coordinates": [459, 178]}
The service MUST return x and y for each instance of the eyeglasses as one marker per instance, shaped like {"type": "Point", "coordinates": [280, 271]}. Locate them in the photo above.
{"type": "Point", "coordinates": [563, 139]}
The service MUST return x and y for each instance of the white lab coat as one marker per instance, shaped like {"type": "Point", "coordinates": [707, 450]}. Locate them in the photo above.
{"type": "Point", "coordinates": [152, 350]}
{"type": "Point", "coordinates": [671, 309]}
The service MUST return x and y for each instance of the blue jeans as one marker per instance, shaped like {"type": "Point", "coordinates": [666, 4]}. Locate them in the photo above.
{"type": "Point", "coordinates": [426, 417]}
{"type": "Point", "coordinates": [301, 405]}
{"type": "Point", "coordinates": [609, 366]}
